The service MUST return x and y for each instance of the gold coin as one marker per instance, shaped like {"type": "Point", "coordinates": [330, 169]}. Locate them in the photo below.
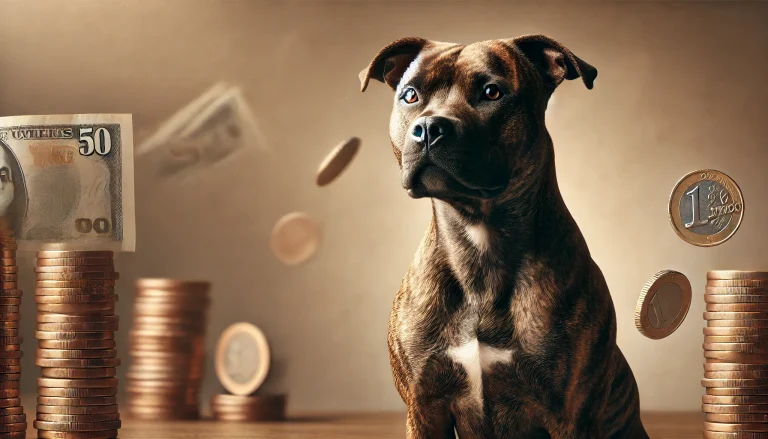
{"type": "Point", "coordinates": [295, 238]}
{"type": "Point", "coordinates": [63, 392]}
{"type": "Point", "coordinates": [77, 410]}
{"type": "Point", "coordinates": [77, 383]}
{"type": "Point", "coordinates": [77, 402]}
{"type": "Point", "coordinates": [76, 344]}
{"type": "Point", "coordinates": [73, 362]}
{"type": "Point", "coordinates": [737, 275]}
{"type": "Point", "coordinates": [76, 426]}
{"type": "Point", "coordinates": [242, 358]}
{"type": "Point", "coordinates": [66, 335]}
{"type": "Point", "coordinates": [76, 353]}
{"type": "Point", "coordinates": [337, 161]}
{"type": "Point", "coordinates": [56, 254]}
{"type": "Point", "coordinates": [706, 208]}
{"type": "Point", "coordinates": [75, 262]}
{"type": "Point", "coordinates": [737, 307]}
{"type": "Point", "coordinates": [70, 373]}
{"type": "Point", "coordinates": [717, 426]}
{"type": "Point", "coordinates": [103, 434]}
{"type": "Point", "coordinates": [663, 304]}
{"type": "Point", "coordinates": [72, 276]}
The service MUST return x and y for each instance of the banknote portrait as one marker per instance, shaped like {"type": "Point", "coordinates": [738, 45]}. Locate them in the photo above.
{"type": "Point", "coordinates": [13, 188]}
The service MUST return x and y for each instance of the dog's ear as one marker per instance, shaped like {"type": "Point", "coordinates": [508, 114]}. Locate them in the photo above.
{"type": "Point", "coordinates": [554, 61]}
{"type": "Point", "coordinates": [391, 62]}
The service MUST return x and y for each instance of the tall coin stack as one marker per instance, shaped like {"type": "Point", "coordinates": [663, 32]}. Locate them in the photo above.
{"type": "Point", "coordinates": [13, 420]}
{"type": "Point", "coordinates": [167, 349]}
{"type": "Point", "coordinates": [736, 352]}
{"type": "Point", "coordinates": [76, 324]}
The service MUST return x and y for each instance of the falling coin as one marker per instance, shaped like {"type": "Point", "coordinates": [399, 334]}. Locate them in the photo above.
{"type": "Point", "coordinates": [337, 161]}
{"type": "Point", "coordinates": [295, 238]}
{"type": "Point", "coordinates": [706, 208]}
{"type": "Point", "coordinates": [242, 358]}
{"type": "Point", "coordinates": [663, 304]}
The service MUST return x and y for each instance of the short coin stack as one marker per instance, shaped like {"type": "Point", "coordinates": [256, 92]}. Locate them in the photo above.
{"type": "Point", "coordinates": [76, 324]}
{"type": "Point", "coordinates": [736, 352]}
{"type": "Point", "coordinates": [167, 349]}
{"type": "Point", "coordinates": [13, 420]}
{"type": "Point", "coordinates": [238, 408]}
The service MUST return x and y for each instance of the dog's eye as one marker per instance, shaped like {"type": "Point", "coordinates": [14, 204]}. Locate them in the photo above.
{"type": "Point", "coordinates": [492, 92]}
{"type": "Point", "coordinates": [410, 96]}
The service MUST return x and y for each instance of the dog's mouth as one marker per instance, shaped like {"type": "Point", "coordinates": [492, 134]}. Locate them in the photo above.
{"type": "Point", "coordinates": [430, 180]}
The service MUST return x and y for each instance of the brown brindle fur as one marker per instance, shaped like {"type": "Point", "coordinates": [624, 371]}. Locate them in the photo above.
{"type": "Point", "coordinates": [526, 293]}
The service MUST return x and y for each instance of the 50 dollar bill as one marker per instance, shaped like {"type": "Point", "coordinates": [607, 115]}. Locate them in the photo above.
{"type": "Point", "coordinates": [66, 181]}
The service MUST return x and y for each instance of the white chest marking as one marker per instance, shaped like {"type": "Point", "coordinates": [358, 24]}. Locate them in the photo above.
{"type": "Point", "coordinates": [476, 358]}
{"type": "Point", "coordinates": [478, 235]}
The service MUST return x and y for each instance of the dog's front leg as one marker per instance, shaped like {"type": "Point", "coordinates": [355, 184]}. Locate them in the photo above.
{"type": "Point", "coordinates": [432, 421]}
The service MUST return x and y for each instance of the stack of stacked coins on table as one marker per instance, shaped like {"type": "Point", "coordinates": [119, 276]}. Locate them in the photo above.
{"type": "Point", "coordinates": [736, 352]}
{"type": "Point", "coordinates": [76, 324]}
{"type": "Point", "coordinates": [13, 420]}
{"type": "Point", "coordinates": [167, 349]}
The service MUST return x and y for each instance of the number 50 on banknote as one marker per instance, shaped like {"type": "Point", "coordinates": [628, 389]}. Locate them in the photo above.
{"type": "Point", "coordinates": [66, 181]}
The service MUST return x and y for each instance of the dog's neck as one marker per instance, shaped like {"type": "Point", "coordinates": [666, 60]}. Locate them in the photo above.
{"type": "Point", "coordinates": [489, 242]}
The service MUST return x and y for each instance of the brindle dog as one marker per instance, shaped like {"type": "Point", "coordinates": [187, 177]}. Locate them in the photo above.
{"type": "Point", "coordinates": [503, 326]}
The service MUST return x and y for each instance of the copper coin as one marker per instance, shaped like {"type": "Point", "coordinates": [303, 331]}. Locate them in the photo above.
{"type": "Point", "coordinates": [80, 308]}
{"type": "Point", "coordinates": [74, 262]}
{"type": "Point", "coordinates": [749, 348]}
{"type": "Point", "coordinates": [11, 292]}
{"type": "Point", "coordinates": [337, 161]}
{"type": "Point", "coordinates": [173, 295]}
{"type": "Point", "coordinates": [9, 362]}
{"type": "Point", "coordinates": [737, 417]}
{"type": "Point", "coordinates": [9, 385]}
{"type": "Point", "coordinates": [53, 254]}
{"type": "Point", "coordinates": [9, 325]}
{"type": "Point", "coordinates": [10, 370]}
{"type": "Point", "coordinates": [16, 426]}
{"type": "Point", "coordinates": [76, 353]}
{"type": "Point", "coordinates": [59, 401]}
{"type": "Point", "coordinates": [76, 344]}
{"type": "Point", "coordinates": [10, 319]}
{"type": "Point", "coordinates": [735, 298]}
{"type": "Point", "coordinates": [736, 331]}
{"type": "Point", "coordinates": [10, 402]}
{"type": "Point", "coordinates": [83, 284]}
{"type": "Point", "coordinates": [736, 391]}
{"type": "Point", "coordinates": [70, 373]}
{"type": "Point", "coordinates": [77, 410]}
{"type": "Point", "coordinates": [90, 392]}
{"type": "Point", "coordinates": [750, 291]}
{"type": "Point", "coordinates": [9, 376]}
{"type": "Point", "coordinates": [182, 306]}
{"type": "Point", "coordinates": [715, 367]}
{"type": "Point", "coordinates": [715, 382]}
{"type": "Point", "coordinates": [86, 327]}
{"type": "Point", "coordinates": [70, 276]}
{"type": "Point", "coordinates": [749, 283]}
{"type": "Point", "coordinates": [736, 357]}
{"type": "Point", "coordinates": [64, 335]}
{"type": "Point", "coordinates": [76, 426]}
{"type": "Point", "coordinates": [9, 332]}
{"type": "Point", "coordinates": [149, 375]}
{"type": "Point", "coordinates": [79, 318]}
{"type": "Point", "coordinates": [90, 362]}
{"type": "Point", "coordinates": [737, 307]}
{"type": "Point", "coordinates": [97, 290]}
{"type": "Point", "coordinates": [5, 285]}
{"type": "Point", "coordinates": [7, 262]}
{"type": "Point", "coordinates": [163, 310]}
{"type": "Point", "coordinates": [734, 408]}
{"type": "Point", "coordinates": [735, 316]}
{"type": "Point", "coordinates": [9, 269]}
{"type": "Point", "coordinates": [11, 354]}
{"type": "Point", "coordinates": [9, 393]}
{"type": "Point", "coordinates": [79, 299]}
{"type": "Point", "coordinates": [106, 269]}
{"type": "Point", "coordinates": [9, 309]}
{"type": "Point", "coordinates": [103, 434]}
{"type": "Point", "coordinates": [10, 340]}
{"type": "Point", "coordinates": [717, 426]}
{"type": "Point", "coordinates": [78, 418]}
{"type": "Point", "coordinates": [172, 284]}
{"type": "Point", "coordinates": [735, 339]}
{"type": "Point", "coordinates": [150, 333]}
{"type": "Point", "coordinates": [6, 411]}
{"type": "Point", "coordinates": [737, 274]}
{"type": "Point", "coordinates": [9, 277]}
{"type": "Point", "coordinates": [77, 383]}
{"type": "Point", "coordinates": [10, 301]}
{"type": "Point", "coordinates": [13, 419]}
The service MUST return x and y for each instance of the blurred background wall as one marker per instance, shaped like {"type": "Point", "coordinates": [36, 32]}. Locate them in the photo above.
{"type": "Point", "coordinates": [681, 87]}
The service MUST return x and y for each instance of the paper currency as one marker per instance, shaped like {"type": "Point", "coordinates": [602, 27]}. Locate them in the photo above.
{"type": "Point", "coordinates": [66, 181]}
{"type": "Point", "coordinates": [205, 132]}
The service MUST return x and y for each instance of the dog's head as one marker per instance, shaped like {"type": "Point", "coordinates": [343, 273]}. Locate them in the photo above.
{"type": "Point", "coordinates": [468, 120]}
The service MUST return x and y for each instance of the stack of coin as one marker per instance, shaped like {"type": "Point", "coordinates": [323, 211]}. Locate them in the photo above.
{"type": "Point", "coordinates": [13, 420]}
{"type": "Point", "coordinates": [238, 408]}
{"type": "Point", "coordinates": [76, 324]}
{"type": "Point", "coordinates": [736, 352]}
{"type": "Point", "coordinates": [167, 349]}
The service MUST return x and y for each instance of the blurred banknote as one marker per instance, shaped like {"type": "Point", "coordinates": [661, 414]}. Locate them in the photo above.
{"type": "Point", "coordinates": [210, 129]}
{"type": "Point", "coordinates": [66, 181]}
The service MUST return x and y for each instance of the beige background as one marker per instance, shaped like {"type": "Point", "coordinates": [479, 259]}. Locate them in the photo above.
{"type": "Point", "coordinates": [681, 86]}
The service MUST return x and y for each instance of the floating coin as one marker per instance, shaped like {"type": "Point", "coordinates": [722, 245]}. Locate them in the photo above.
{"type": "Point", "coordinates": [337, 161]}
{"type": "Point", "coordinates": [706, 208]}
{"type": "Point", "coordinates": [242, 358]}
{"type": "Point", "coordinates": [295, 238]}
{"type": "Point", "coordinates": [663, 304]}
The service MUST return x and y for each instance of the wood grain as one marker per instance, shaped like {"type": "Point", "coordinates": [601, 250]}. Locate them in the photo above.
{"type": "Point", "coordinates": [685, 425]}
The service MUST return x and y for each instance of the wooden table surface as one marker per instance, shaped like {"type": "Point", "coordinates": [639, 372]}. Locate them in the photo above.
{"type": "Point", "coordinates": [351, 426]}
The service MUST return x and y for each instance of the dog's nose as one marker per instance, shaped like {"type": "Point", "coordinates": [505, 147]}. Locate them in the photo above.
{"type": "Point", "coordinates": [429, 130]}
